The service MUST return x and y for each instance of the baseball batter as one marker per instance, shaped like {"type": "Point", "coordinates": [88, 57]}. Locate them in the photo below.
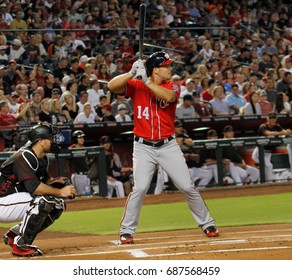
{"type": "Point", "coordinates": [154, 101]}
{"type": "Point", "coordinates": [26, 192]}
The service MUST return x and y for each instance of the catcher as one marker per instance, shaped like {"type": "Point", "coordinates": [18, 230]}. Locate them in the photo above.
{"type": "Point", "coordinates": [27, 192]}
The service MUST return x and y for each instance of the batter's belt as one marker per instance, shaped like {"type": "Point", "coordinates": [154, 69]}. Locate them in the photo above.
{"type": "Point", "coordinates": [155, 144]}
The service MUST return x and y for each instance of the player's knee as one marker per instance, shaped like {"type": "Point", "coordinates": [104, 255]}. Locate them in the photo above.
{"type": "Point", "coordinates": [48, 203]}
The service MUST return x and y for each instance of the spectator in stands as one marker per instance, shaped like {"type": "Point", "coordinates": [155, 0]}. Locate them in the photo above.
{"type": "Point", "coordinates": [282, 105]}
{"type": "Point", "coordinates": [235, 100]}
{"type": "Point", "coordinates": [107, 45]}
{"type": "Point", "coordinates": [270, 128]}
{"type": "Point", "coordinates": [65, 81]}
{"type": "Point", "coordinates": [73, 71]}
{"type": "Point", "coordinates": [69, 108]}
{"type": "Point", "coordinates": [207, 95]}
{"type": "Point", "coordinates": [84, 82]}
{"type": "Point", "coordinates": [126, 47]}
{"type": "Point", "coordinates": [6, 119]}
{"type": "Point", "coordinates": [269, 86]}
{"type": "Point", "coordinates": [50, 84]}
{"type": "Point", "coordinates": [127, 62]}
{"type": "Point", "coordinates": [20, 75]}
{"type": "Point", "coordinates": [269, 46]}
{"type": "Point", "coordinates": [10, 74]}
{"type": "Point", "coordinates": [119, 68]}
{"type": "Point", "coordinates": [107, 115]}
{"type": "Point", "coordinates": [188, 89]}
{"type": "Point", "coordinates": [12, 103]}
{"type": "Point", "coordinates": [122, 115]}
{"type": "Point", "coordinates": [248, 89]}
{"type": "Point", "coordinates": [56, 110]}
{"type": "Point", "coordinates": [98, 110]}
{"type": "Point", "coordinates": [252, 107]}
{"type": "Point", "coordinates": [121, 99]}
{"type": "Point", "coordinates": [71, 88]}
{"type": "Point", "coordinates": [32, 51]}
{"type": "Point", "coordinates": [85, 116]}
{"type": "Point", "coordinates": [94, 93]}
{"type": "Point", "coordinates": [3, 56]}
{"type": "Point", "coordinates": [60, 71]}
{"type": "Point", "coordinates": [90, 71]}
{"type": "Point", "coordinates": [185, 110]}
{"type": "Point", "coordinates": [202, 108]}
{"type": "Point", "coordinates": [118, 177]}
{"type": "Point", "coordinates": [22, 92]}
{"type": "Point", "coordinates": [266, 106]}
{"type": "Point", "coordinates": [220, 106]}
{"type": "Point", "coordinates": [108, 58]}
{"type": "Point", "coordinates": [207, 51]}
{"type": "Point", "coordinates": [18, 23]}
{"type": "Point", "coordinates": [45, 116]}
{"type": "Point", "coordinates": [24, 115]}
{"type": "Point", "coordinates": [38, 74]}
{"type": "Point", "coordinates": [83, 99]}
{"type": "Point", "coordinates": [102, 73]}
{"type": "Point", "coordinates": [283, 84]}
{"type": "Point", "coordinates": [247, 173]}
{"type": "Point", "coordinates": [265, 63]}
{"type": "Point", "coordinates": [35, 105]}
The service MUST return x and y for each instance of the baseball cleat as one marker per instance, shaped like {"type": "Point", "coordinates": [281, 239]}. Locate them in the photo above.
{"type": "Point", "coordinates": [8, 238]}
{"type": "Point", "coordinates": [126, 238]}
{"type": "Point", "coordinates": [211, 231]}
{"type": "Point", "coordinates": [26, 251]}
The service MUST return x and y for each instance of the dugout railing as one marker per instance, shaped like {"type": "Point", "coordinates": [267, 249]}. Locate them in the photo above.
{"type": "Point", "coordinates": [60, 163]}
{"type": "Point", "coordinates": [261, 142]}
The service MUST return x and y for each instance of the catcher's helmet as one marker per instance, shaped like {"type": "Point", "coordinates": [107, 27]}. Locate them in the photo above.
{"type": "Point", "coordinates": [45, 131]}
{"type": "Point", "coordinates": [157, 59]}
{"type": "Point", "coordinates": [77, 134]}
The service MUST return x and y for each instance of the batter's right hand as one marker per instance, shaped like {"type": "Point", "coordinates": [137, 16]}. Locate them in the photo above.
{"type": "Point", "coordinates": [136, 65]}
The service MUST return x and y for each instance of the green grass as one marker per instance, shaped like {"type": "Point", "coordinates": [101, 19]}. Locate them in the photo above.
{"type": "Point", "coordinates": [250, 210]}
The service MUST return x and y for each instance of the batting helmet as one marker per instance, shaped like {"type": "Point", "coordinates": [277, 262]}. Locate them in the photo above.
{"type": "Point", "coordinates": [157, 59]}
{"type": "Point", "coordinates": [77, 134]}
{"type": "Point", "coordinates": [105, 139]}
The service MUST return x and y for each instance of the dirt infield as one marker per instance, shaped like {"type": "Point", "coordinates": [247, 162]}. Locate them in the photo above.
{"type": "Point", "coordinates": [265, 242]}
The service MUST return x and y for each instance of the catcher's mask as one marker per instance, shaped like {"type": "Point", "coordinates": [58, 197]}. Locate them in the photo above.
{"type": "Point", "coordinates": [47, 131]}
{"type": "Point", "coordinates": [157, 59]}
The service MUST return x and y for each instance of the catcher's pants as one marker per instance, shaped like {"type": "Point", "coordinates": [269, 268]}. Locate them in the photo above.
{"type": "Point", "coordinates": [171, 159]}
{"type": "Point", "coordinates": [13, 207]}
{"type": "Point", "coordinates": [268, 164]}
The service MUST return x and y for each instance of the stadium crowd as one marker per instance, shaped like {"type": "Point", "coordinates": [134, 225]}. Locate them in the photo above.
{"type": "Point", "coordinates": [231, 57]}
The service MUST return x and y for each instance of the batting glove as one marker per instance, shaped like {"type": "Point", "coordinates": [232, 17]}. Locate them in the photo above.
{"type": "Point", "coordinates": [141, 72]}
{"type": "Point", "coordinates": [136, 65]}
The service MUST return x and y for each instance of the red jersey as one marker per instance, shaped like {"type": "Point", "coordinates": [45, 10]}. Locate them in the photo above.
{"type": "Point", "coordinates": [206, 95]}
{"type": "Point", "coordinates": [153, 117]}
{"type": "Point", "coordinates": [8, 119]}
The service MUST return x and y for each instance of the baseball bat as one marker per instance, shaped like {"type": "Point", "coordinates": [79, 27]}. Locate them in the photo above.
{"type": "Point", "coordinates": [142, 16]}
